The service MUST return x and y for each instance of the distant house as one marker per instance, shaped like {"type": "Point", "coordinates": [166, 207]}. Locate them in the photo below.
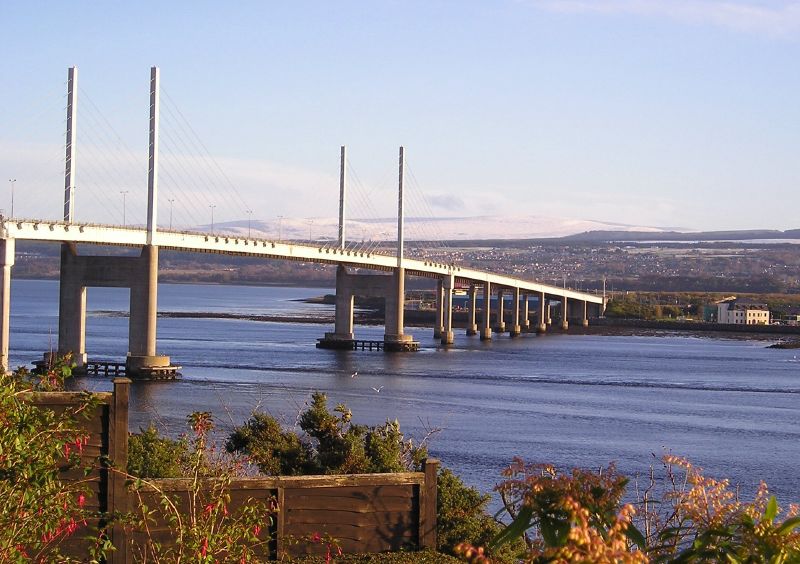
{"type": "Point", "coordinates": [742, 312]}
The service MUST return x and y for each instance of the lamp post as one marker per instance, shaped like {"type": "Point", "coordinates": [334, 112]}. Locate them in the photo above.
{"type": "Point", "coordinates": [212, 206]}
{"type": "Point", "coordinates": [12, 181]}
{"type": "Point", "coordinates": [280, 228]}
{"type": "Point", "coordinates": [249, 218]}
{"type": "Point", "coordinates": [171, 201]}
{"type": "Point", "coordinates": [124, 194]}
{"type": "Point", "coordinates": [310, 223]}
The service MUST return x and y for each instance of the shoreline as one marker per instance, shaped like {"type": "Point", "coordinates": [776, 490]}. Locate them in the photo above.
{"type": "Point", "coordinates": [424, 321]}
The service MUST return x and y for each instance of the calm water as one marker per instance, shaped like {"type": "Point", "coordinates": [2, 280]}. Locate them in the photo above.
{"type": "Point", "coordinates": [732, 406]}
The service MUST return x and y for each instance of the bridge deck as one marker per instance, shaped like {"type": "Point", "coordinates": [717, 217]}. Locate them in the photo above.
{"type": "Point", "coordinates": [35, 230]}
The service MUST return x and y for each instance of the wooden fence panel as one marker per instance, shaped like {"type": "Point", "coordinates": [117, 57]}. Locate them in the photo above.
{"type": "Point", "coordinates": [95, 483]}
{"type": "Point", "coordinates": [359, 513]}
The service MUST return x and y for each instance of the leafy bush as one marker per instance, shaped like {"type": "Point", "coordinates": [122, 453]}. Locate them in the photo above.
{"type": "Point", "coordinates": [462, 517]}
{"type": "Point", "coordinates": [330, 444]}
{"type": "Point", "coordinates": [40, 508]}
{"type": "Point", "coordinates": [579, 517]}
{"type": "Point", "coordinates": [151, 455]}
{"type": "Point", "coordinates": [204, 529]}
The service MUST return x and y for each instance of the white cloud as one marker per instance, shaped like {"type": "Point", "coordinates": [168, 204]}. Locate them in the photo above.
{"type": "Point", "coordinates": [774, 18]}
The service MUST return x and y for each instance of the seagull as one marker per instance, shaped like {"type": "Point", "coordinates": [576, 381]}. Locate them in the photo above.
{"type": "Point", "coordinates": [377, 390]}
{"type": "Point", "coordinates": [354, 374]}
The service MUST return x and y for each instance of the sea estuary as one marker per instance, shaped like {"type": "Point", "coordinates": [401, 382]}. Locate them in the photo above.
{"type": "Point", "coordinates": [730, 405]}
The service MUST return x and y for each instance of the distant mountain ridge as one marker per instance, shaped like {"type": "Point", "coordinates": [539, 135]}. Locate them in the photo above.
{"type": "Point", "coordinates": [480, 228]}
{"type": "Point", "coordinates": [679, 236]}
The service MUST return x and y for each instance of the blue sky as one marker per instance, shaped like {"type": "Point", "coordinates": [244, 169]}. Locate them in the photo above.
{"type": "Point", "coordinates": [672, 113]}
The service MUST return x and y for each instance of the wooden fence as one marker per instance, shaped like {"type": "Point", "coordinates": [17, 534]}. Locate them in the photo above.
{"type": "Point", "coordinates": [360, 512]}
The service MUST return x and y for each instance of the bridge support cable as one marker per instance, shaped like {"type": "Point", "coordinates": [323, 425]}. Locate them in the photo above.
{"type": "Point", "coordinates": [110, 168]}
{"type": "Point", "coordinates": [360, 207]}
{"type": "Point", "coordinates": [208, 178]}
{"type": "Point", "coordinates": [35, 142]}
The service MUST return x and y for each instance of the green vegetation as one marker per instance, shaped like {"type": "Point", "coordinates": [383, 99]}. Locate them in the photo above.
{"type": "Point", "coordinates": [680, 516]}
{"type": "Point", "coordinates": [330, 443]}
{"type": "Point", "coordinates": [40, 508]}
{"type": "Point", "coordinates": [151, 455]}
{"type": "Point", "coordinates": [579, 517]}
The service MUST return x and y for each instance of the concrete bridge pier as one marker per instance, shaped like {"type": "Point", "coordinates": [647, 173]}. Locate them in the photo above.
{"type": "Point", "coordinates": [501, 322]}
{"type": "Point", "coordinates": [515, 330]}
{"type": "Point", "coordinates": [564, 313]}
{"type": "Point", "coordinates": [142, 357]}
{"type": "Point", "coordinates": [526, 322]}
{"type": "Point", "coordinates": [438, 325]}
{"type": "Point", "coordinates": [447, 332]}
{"type": "Point", "coordinates": [140, 275]}
{"type": "Point", "coordinates": [542, 314]}
{"type": "Point", "coordinates": [472, 326]}
{"type": "Point", "coordinates": [390, 288]}
{"type": "Point", "coordinates": [549, 312]}
{"type": "Point", "coordinates": [7, 249]}
{"type": "Point", "coordinates": [71, 309]}
{"type": "Point", "coordinates": [585, 320]}
{"type": "Point", "coordinates": [343, 315]}
{"type": "Point", "coordinates": [486, 329]}
{"type": "Point", "coordinates": [394, 339]}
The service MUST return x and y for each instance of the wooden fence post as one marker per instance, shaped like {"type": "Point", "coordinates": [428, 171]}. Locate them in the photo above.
{"type": "Point", "coordinates": [118, 454]}
{"type": "Point", "coordinates": [427, 505]}
{"type": "Point", "coordinates": [280, 525]}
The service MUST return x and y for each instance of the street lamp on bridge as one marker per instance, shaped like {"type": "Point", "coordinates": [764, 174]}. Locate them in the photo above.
{"type": "Point", "coordinates": [212, 206]}
{"type": "Point", "coordinates": [12, 181]}
{"type": "Point", "coordinates": [124, 194]}
{"type": "Point", "coordinates": [171, 201]}
{"type": "Point", "coordinates": [249, 218]}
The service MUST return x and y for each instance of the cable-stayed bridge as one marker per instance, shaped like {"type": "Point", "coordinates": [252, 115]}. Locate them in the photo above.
{"type": "Point", "coordinates": [140, 273]}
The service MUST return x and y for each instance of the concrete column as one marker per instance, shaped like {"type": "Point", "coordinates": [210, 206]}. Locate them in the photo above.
{"type": "Point", "coordinates": [472, 326]}
{"type": "Point", "coordinates": [486, 330]}
{"type": "Point", "coordinates": [6, 261]}
{"type": "Point", "coordinates": [501, 322]}
{"type": "Point", "coordinates": [395, 302]}
{"type": "Point", "coordinates": [564, 313]}
{"type": "Point", "coordinates": [343, 320]}
{"type": "Point", "coordinates": [585, 317]}
{"type": "Point", "coordinates": [144, 305]}
{"type": "Point", "coordinates": [541, 318]}
{"type": "Point", "coordinates": [438, 324]}
{"type": "Point", "coordinates": [447, 332]}
{"type": "Point", "coordinates": [548, 312]}
{"type": "Point", "coordinates": [515, 328]}
{"type": "Point", "coordinates": [142, 355]}
{"type": "Point", "coordinates": [71, 307]}
{"type": "Point", "coordinates": [526, 322]}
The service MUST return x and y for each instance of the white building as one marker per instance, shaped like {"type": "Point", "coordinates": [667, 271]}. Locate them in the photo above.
{"type": "Point", "coordinates": [742, 312]}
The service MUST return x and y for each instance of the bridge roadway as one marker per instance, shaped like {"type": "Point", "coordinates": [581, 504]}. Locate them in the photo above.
{"type": "Point", "coordinates": [140, 275]}
{"type": "Point", "coordinates": [33, 230]}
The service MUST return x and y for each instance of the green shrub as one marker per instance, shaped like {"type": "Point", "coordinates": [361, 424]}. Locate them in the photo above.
{"type": "Point", "coordinates": [330, 444]}
{"type": "Point", "coordinates": [277, 452]}
{"type": "Point", "coordinates": [151, 455]}
{"type": "Point", "coordinates": [41, 508]}
{"type": "Point", "coordinates": [462, 517]}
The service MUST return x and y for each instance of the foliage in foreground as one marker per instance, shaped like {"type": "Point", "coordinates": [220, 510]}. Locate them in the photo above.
{"type": "Point", "coordinates": [579, 517]}
{"type": "Point", "coordinates": [40, 509]}
{"type": "Point", "coordinates": [201, 525]}
{"type": "Point", "coordinates": [330, 443]}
